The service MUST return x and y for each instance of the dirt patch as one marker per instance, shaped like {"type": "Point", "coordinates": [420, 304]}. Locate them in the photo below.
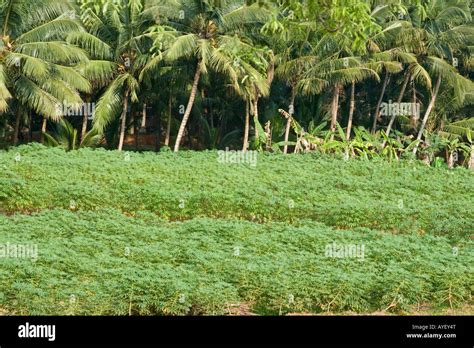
{"type": "Point", "coordinates": [425, 309]}
{"type": "Point", "coordinates": [240, 309]}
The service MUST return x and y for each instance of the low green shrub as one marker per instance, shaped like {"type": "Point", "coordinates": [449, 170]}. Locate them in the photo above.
{"type": "Point", "coordinates": [104, 262]}
{"type": "Point", "coordinates": [402, 197]}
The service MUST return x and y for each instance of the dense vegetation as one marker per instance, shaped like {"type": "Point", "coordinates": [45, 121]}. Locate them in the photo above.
{"type": "Point", "coordinates": [402, 197]}
{"type": "Point", "coordinates": [273, 267]}
{"type": "Point", "coordinates": [122, 233]}
{"type": "Point", "coordinates": [324, 109]}
{"type": "Point", "coordinates": [316, 75]}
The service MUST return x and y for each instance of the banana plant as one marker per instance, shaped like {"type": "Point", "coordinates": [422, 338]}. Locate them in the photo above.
{"type": "Point", "coordinates": [365, 144]}
{"type": "Point", "coordinates": [432, 145]}
{"type": "Point", "coordinates": [393, 147]}
{"type": "Point", "coordinates": [452, 149]}
{"type": "Point", "coordinates": [338, 145]}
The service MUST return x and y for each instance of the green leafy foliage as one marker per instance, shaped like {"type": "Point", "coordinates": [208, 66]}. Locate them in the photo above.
{"type": "Point", "coordinates": [398, 197]}
{"type": "Point", "coordinates": [114, 264]}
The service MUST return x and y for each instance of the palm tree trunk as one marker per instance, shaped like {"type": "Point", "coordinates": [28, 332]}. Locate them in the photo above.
{"type": "Point", "coordinates": [143, 123]}
{"type": "Point", "coordinates": [182, 127]}
{"type": "Point", "coordinates": [123, 119]}
{"type": "Point", "coordinates": [85, 118]}
{"type": "Point", "coordinates": [137, 132]}
{"type": "Point", "coordinates": [168, 126]}
{"type": "Point", "coordinates": [247, 126]}
{"type": "Point", "coordinates": [287, 135]}
{"type": "Point", "coordinates": [377, 109]}
{"type": "Point", "coordinates": [43, 129]}
{"type": "Point", "coordinates": [399, 100]}
{"type": "Point", "coordinates": [288, 121]}
{"type": "Point", "coordinates": [427, 113]}
{"type": "Point", "coordinates": [158, 132]}
{"type": "Point", "coordinates": [270, 77]}
{"type": "Point", "coordinates": [351, 111]}
{"type": "Point", "coordinates": [255, 115]}
{"type": "Point", "coordinates": [17, 127]}
{"type": "Point", "coordinates": [132, 121]}
{"type": "Point", "coordinates": [450, 159]}
{"type": "Point", "coordinates": [84, 125]}
{"type": "Point", "coordinates": [334, 107]}
{"type": "Point", "coordinates": [414, 119]}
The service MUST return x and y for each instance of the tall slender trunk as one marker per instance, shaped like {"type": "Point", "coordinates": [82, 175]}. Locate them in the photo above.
{"type": "Point", "coordinates": [143, 123]}
{"type": "Point", "coordinates": [84, 125]}
{"type": "Point", "coordinates": [123, 119]}
{"type": "Point", "coordinates": [399, 100]}
{"type": "Point", "coordinates": [168, 125]}
{"type": "Point", "coordinates": [85, 118]}
{"type": "Point", "coordinates": [137, 132]}
{"type": "Point", "coordinates": [334, 107]}
{"type": "Point", "coordinates": [268, 136]}
{"type": "Point", "coordinates": [287, 135]}
{"type": "Point", "coordinates": [132, 121]}
{"type": "Point", "coordinates": [43, 129]}
{"type": "Point", "coordinates": [414, 118]}
{"type": "Point", "coordinates": [270, 77]}
{"type": "Point", "coordinates": [351, 111]}
{"type": "Point", "coordinates": [427, 113]}
{"type": "Point", "coordinates": [255, 115]}
{"type": "Point", "coordinates": [182, 127]}
{"type": "Point", "coordinates": [247, 126]}
{"type": "Point", "coordinates": [158, 132]}
{"type": "Point", "coordinates": [288, 121]}
{"type": "Point", "coordinates": [382, 93]}
{"type": "Point", "coordinates": [450, 159]}
{"type": "Point", "coordinates": [17, 127]}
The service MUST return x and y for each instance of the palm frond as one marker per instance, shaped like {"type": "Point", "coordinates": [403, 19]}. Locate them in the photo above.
{"type": "Point", "coordinates": [5, 94]}
{"type": "Point", "coordinates": [184, 46]}
{"type": "Point", "coordinates": [109, 104]}
{"type": "Point", "coordinates": [97, 48]}
{"type": "Point", "coordinates": [33, 96]}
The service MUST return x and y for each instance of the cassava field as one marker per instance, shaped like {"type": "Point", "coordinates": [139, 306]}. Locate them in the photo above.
{"type": "Point", "coordinates": [109, 232]}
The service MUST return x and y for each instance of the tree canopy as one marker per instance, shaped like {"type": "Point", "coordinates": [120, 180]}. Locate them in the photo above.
{"type": "Point", "coordinates": [281, 75]}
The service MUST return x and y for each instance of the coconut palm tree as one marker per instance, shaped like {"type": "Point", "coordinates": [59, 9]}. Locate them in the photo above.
{"type": "Point", "coordinates": [331, 69]}
{"type": "Point", "coordinates": [294, 42]}
{"type": "Point", "coordinates": [252, 83]}
{"type": "Point", "coordinates": [440, 30]}
{"type": "Point", "coordinates": [118, 37]}
{"type": "Point", "coordinates": [205, 32]}
{"type": "Point", "coordinates": [100, 67]}
{"type": "Point", "coordinates": [37, 65]}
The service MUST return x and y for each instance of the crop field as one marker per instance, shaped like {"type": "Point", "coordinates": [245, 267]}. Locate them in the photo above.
{"type": "Point", "coordinates": [103, 232]}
